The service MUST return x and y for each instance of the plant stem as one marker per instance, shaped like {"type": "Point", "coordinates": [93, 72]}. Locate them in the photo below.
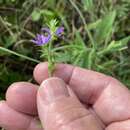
{"type": "Point", "coordinates": [50, 60]}
{"type": "Point", "coordinates": [19, 55]}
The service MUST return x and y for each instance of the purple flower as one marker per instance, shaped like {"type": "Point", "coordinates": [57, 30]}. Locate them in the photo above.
{"type": "Point", "coordinates": [59, 31]}
{"type": "Point", "coordinates": [46, 30]}
{"type": "Point", "coordinates": [42, 39]}
{"type": "Point", "coordinates": [45, 37]}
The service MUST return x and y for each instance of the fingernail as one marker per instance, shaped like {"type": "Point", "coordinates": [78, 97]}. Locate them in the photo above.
{"type": "Point", "coordinates": [52, 89]}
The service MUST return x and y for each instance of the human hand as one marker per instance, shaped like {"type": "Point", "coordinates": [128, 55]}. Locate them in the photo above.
{"type": "Point", "coordinates": [78, 100]}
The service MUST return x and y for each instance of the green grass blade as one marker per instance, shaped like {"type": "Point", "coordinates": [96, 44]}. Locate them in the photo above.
{"type": "Point", "coordinates": [84, 22]}
{"type": "Point", "coordinates": [19, 55]}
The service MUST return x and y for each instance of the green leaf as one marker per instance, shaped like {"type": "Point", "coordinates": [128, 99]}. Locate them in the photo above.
{"type": "Point", "coordinates": [46, 12]}
{"type": "Point", "coordinates": [105, 27]}
{"type": "Point", "coordinates": [94, 25]}
{"type": "Point", "coordinates": [62, 57]}
{"type": "Point", "coordinates": [88, 4]}
{"type": "Point", "coordinates": [79, 40]}
{"type": "Point", "coordinates": [36, 14]}
{"type": "Point", "coordinates": [116, 46]}
{"type": "Point", "coordinates": [51, 3]}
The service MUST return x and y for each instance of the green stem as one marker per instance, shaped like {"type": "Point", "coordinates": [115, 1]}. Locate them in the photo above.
{"type": "Point", "coordinates": [19, 55]}
{"type": "Point", "coordinates": [6, 27]}
{"type": "Point", "coordinates": [50, 60]}
{"type": "Point", "coordinates": [63, 48]}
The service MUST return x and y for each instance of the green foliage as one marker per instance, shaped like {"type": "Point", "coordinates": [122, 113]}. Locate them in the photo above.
{"type": "Point", "coordinates": [37, 14]}
{"type": "Point", "coordinates": [96, 36]}
{"type": "Point", "coordinates": [105, 27]}
{"type": "Point", "coordinates": [88, 5]}
{"type": "Point", "coordinates": [8, 76]}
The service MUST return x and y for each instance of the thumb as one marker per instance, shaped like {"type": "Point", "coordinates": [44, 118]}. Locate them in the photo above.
{"type": "Point", "coordinates": [60, 109]}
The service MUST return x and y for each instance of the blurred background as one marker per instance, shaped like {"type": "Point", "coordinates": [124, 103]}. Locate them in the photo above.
{"type": "Point", "coordinates": [97, 36]}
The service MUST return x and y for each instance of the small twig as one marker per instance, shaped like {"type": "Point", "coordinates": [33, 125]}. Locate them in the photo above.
{"type": "Point", "coordinates": [21, 42]}
{"type": "Point", "coordinates": [4, 24]}
{"type": "Point", "coordinates": [8, 9]}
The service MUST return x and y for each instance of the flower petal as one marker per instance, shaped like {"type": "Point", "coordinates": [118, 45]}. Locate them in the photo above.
{"type": "Point", "coordinates": [59, 31]}
{"type": "Point", "coordinates": [47, 30]}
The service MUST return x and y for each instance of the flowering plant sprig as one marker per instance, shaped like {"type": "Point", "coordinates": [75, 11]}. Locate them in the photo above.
{"type": "Point", "coordinates": [46, 37]}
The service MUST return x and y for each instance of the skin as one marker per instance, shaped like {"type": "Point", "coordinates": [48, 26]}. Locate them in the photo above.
{"type": "Point", "coordinates": [74, 99]}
